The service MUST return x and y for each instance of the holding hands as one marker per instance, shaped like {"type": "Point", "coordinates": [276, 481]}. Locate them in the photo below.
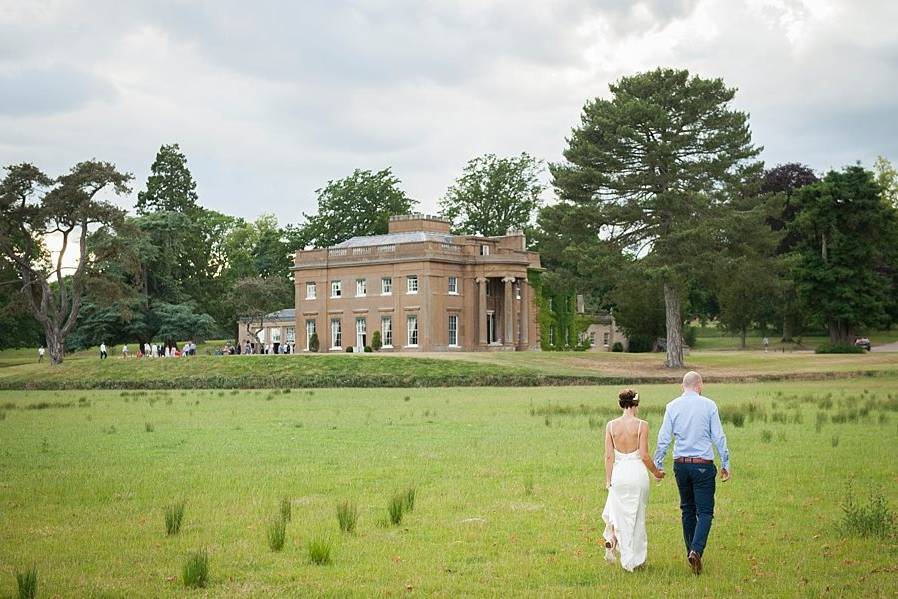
{"type": "Point", "coordinates": [724, 475]}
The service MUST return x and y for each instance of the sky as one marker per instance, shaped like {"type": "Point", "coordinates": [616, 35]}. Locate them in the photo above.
{"type": "Point", "coordinates": [270, 100]}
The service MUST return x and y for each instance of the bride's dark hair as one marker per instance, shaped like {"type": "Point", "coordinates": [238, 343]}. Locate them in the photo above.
{"type": "Point", "coordinates": [628, 398]}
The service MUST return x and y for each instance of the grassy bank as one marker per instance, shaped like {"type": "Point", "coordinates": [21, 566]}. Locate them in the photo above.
{"type": "Point", "coordinates": [507, 481]}
{"type": "Point", "coordinates": [524, 369]}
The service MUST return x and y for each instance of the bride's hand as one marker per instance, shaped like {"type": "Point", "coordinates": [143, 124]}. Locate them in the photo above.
{"type": "Point", "coordinates": [659, 476]}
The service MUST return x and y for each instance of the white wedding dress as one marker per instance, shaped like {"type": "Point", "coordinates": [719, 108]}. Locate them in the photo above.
{"type": "Point", "coordinates": [624, 512]}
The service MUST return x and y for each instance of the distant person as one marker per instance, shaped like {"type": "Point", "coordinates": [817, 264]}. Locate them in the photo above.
{"type": "Point", "coordinates": [766, 343]}
{"type": "Point", "coordinates": [692, 422]}
{"type": "Point", "coordinates": [627, 460]}
{"type": "Point", "coordinates": [125, 353]}
{"type": "Point", "coordinates": [40, 354]}
{"type": "Point", "coordinates": [103, 354]}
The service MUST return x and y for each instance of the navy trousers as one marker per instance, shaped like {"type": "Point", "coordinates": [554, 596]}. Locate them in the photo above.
{"type": "Point", "coordinates": [696, 483]}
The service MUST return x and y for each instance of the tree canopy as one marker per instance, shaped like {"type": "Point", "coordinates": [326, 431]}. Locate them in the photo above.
{"type": "Point", "coordinates": [494, 195]}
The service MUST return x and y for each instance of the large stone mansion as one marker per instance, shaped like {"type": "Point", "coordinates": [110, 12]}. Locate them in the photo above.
{"type": "Point", "coordinates": [423, 288]}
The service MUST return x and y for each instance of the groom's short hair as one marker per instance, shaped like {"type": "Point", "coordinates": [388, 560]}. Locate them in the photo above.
{"type": "Point", "coordinates": [692, 380]}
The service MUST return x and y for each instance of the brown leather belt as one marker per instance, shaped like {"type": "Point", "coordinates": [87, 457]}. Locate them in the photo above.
{"type": "Point", "coordinates": [693, 461]}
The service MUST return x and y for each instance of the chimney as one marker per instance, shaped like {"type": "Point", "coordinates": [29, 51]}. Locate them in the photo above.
{"type": "Point", "coordinates": [408, 223]}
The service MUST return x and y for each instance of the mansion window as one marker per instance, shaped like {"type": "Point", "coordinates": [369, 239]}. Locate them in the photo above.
{"type": "Point", "coordinates": [386, 330]}
{"type": "Point", "coordinates": [453, 330]}
{"type": "Point", "coordinates": [386, 286]}
{"type": "Point", "coordinates": [517, 290]}
{"type": "Point", "coordinates": [310, 291]}
{"type": "Point", "coordinates": [484, 250]}
{"type": "Point", "coordinates": [411, 284]}
{"type": "Point", "coordinates": [361, 287]}
{"type": "Point", "coordinates": [336, 334]}
{"type": "Point", "coordinates": [291, 335]}
{"type": "Point", "coordinates": [592, 339]}
{"type": "Point", "coordinates": [336, 289]}
{"type": "Point", "coordinates": [453, 285]}
{"type": "Point", "coordinates": [310, 330]}
{"type": "Point", "coordinates": [606, 338]}
{"type": "Point", "coordinates": [412, 331]}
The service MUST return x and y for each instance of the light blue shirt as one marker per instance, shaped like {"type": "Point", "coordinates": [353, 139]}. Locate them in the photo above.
{"type": "Point", "coordinates": [693, 423]}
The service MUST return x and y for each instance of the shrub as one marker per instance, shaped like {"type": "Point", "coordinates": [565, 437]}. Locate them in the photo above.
{"type": "Point", "coordinates": [313, 342]}
{"type": "Point", "coordinates": [148, 427]}
{"type": "Point", "coordinates": [174, 514]}
{"type": "Point", "coordinates": [349, 350]}
{"type": "Point", "coordinates": [277, 533]}
{"type": "Point", "coordinates": [617, 346]}
{"type": "Point", "coordinates": [196, 570]}
{"type": "Point", "coordinates": [347, 515]}
{"type": "Point", "coordinates": [873, 518]}
{"type": "Point", "coordinates": [286, 508]}
{"type": "Point", "coordinates": [376, 342]}
{"type": "Point", "coordinates": [320, 551]}
{"type": "Point", "coordinates": [27, 583]}
{"type": "Point", "coordinates": [395, 508]}
{"type": "Point", "coordinates": [838, 348]}
{"type": "Point", "coordinates": [640, 344]}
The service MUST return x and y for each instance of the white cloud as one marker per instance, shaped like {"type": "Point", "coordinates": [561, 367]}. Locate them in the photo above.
{"type": "Point", "coordinates": [271, 100]}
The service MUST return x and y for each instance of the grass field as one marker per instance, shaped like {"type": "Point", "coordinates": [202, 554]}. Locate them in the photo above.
{"type": "Point", "coordinates": [508, 491]}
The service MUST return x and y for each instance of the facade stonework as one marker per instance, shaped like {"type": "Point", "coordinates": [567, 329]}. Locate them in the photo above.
{"type": "Point", "coordinates": [422, 287]}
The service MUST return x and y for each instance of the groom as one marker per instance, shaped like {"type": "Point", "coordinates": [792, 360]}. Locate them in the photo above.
{"type": "Point", "coordinates": [693, 422]}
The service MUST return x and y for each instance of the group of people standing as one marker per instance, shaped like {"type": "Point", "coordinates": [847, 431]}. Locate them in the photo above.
{"type": "Point", "coordinates": [147, 350]}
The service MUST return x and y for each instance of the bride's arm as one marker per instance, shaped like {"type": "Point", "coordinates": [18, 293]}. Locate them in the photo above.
{"type": "Point", "coordinates": [644, 453]}
{"type": "Point", "coordinates": [609, 455]}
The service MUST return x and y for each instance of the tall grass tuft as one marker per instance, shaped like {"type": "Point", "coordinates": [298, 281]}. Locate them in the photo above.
{"type": "Point", "coordinates": [196, 570]}
{"type": "Point", "coordinates": [396, 507]}
{"type": "Point", "coordinates": [873, 518]}
{"type": "Point", "coordinates": [320, 551]}
{"type": "Point", "coordinates": [347, 515]}
{"type": "Point", "coordinates": [766, 436]}
{"type": "Point", "coordinates": [528, 486]}
{"type": "Point", "coordinates": [835, 441]}
{"type": "Point", "coordinates": [174, 515]}
{"type": "Point", "coordinates": [27, 583]}
{"type": "Point", "coordinates": [409, 499]}
{"type": "Point", "coordinates": [277, 533]}
{"type": "Point", "coordinates": [286, 509]}
{"type": "Point", "coordinates": [148, 427]}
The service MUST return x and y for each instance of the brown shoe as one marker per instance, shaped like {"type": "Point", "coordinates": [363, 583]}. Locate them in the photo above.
{"type": "Point", "coordinates": [695, 562]}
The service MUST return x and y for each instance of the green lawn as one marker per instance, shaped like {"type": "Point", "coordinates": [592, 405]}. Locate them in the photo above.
{"type": "Point", "coordinates": [84, 486]}
{"type": "Point", "coordinates": [714, 338]}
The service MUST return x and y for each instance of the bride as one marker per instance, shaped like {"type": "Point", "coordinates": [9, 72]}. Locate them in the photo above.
{"type": "Point", "coordinates": [626, 460]}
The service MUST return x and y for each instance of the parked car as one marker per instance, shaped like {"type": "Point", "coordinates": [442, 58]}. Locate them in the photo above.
{"type": "Point", "coordinates": [863, 342]}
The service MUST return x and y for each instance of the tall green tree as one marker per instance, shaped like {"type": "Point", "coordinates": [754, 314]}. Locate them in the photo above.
{"type": "Point", "coordinates": [746, 272]}
{"type": "Point", "coordinates": [360, 204]}
{"type": "Point", "coordinates": [254, 297]}
{"type": "Point", "coordinates": [494, 195]}
{"type": "Point", "coordinates": [170, 186]}
{"type": "Point", "coordinates": [35, 208]}
{"type": "Point", "coordinates": [647, 167]}
{"type": "Point", "coordinates": [846, 239]}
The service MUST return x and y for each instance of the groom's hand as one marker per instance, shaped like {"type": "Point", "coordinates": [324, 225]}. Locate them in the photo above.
{"type": "Point", "coordinates": [724, 474]}
{"type": "Point", "coordinates": [659, 476]}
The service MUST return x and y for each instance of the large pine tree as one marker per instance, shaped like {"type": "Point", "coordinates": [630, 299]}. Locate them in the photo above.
{"type": "Point", "coordinates": [646, 169]}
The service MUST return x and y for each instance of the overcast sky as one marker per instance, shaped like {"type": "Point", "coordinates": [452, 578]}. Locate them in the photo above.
{"type": "Point", "coordinates": [270, 100]}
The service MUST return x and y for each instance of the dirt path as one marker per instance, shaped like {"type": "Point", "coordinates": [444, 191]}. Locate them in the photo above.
{"type": "Point", "coordinates": [886, 347]}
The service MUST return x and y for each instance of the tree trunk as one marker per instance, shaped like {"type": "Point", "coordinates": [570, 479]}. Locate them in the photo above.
{"type": "Point", "coordinates": [742, 335]}
{"type": "Point", "coordinates": [787, 329]}
{"type": "Point", "coordinates": [55, 346]}
{"type": "Point", "coordinates": [674, 322]}
{"type": "Point", "coordinates": [840, 332]}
